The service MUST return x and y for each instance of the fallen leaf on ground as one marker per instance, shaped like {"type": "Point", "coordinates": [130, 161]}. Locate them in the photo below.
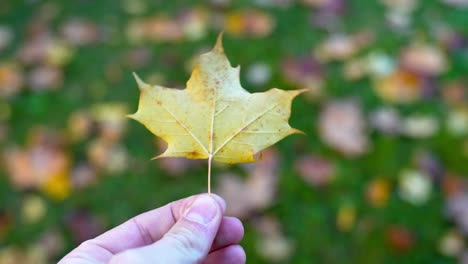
{"type": "Point", "coordinates": [272, 245]}
{"type": "Point", "coordinates": [257, 192]}
{"type": "Point", "coordinates": [342, 126]}
{"type": "Point", "coordinates": [315, 170]}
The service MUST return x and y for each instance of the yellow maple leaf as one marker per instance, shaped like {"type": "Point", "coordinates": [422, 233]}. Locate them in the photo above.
{"type": "Point", "coordinates": [214, 118]}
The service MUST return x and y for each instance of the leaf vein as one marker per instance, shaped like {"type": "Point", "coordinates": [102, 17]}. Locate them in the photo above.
{"type": "Point", "coordinates": [245, 126]}
{"type": "Point", "coordinates": [185, 127]}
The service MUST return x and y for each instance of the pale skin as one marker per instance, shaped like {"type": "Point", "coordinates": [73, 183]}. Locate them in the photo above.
{"type": "Point", "coordinates": [190, 230]}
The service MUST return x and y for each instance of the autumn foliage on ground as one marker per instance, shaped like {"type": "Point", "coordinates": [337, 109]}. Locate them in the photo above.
{"type": "Point", "coordinates": [378, 177]}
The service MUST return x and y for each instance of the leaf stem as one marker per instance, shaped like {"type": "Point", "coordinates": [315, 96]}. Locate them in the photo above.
{"type": "Point", "coordinates": [209, 173]}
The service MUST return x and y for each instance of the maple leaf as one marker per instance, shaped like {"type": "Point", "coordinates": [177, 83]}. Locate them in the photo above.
{"type": "Point", "coordinates": [215, 118]}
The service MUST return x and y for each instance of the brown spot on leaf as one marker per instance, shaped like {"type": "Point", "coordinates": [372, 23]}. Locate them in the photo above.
{"type": "Point", "coordinates": [195, 154]}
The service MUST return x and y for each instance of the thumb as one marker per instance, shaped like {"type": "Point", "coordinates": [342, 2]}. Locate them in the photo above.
{"type": "Point", "coordinates": [189, 240]}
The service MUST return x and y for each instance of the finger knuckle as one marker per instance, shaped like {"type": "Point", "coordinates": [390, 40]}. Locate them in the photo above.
{"type": "Point", "coordinates": [187, 244]}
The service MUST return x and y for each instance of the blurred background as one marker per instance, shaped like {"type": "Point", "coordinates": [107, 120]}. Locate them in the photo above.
{"type": "Point", "coordinates": [379, 177]}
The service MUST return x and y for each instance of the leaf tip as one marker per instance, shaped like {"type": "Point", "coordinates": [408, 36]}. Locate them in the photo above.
{"type": "Point", "coordinates": [219, 43]}
{"type": "Point", "coordinates": [162, 155]}
{"type": "Point", "coordinates": [297, 131]}
{"type": "Point", "coordinates": [132, 116]}
{"type": "Point", "coordinates": [141, 84]}
{"type": "Point", "coordinates": [156, 157]}
{"type": "Point", "coordinates": [300, 91]}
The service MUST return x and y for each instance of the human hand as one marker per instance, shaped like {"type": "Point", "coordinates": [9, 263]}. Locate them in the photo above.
{"type": "Point", "coordinates": [190, 230]}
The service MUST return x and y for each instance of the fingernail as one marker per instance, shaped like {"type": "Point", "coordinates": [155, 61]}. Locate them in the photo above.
{"type": "Point", "coordinates": [203, 210]}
